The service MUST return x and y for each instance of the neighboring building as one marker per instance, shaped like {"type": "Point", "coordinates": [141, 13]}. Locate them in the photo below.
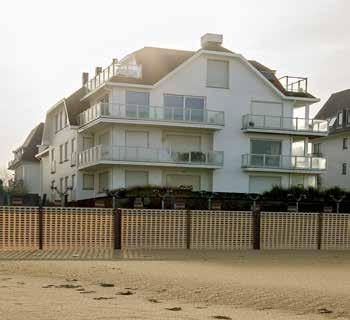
{"type": "Point", "coordinates": [336, 146]}
{"type": "Point", "coordinates": [208, 118]}
{"type": "Point", "coordinates": [25, 165]}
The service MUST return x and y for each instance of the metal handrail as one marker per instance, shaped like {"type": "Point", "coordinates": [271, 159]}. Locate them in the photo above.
{"type": "Point", "coordinates": [142, 154]}
{"type": "Point", "coordinates": [251, 121]}
{"type": "Point", "coordinates": [114, 69]}
{"type": "Point", "coordinates": [251, 160]}
{"type": "Point", "coordinates": [153, 113]}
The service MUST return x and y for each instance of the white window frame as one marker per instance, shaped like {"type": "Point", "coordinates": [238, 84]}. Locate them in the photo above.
{"type": "Point", "coordinates": [84, 182]}
{"type": "Point", "coordinates": [228, 74]}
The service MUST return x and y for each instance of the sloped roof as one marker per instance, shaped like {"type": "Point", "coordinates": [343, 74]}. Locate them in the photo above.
{"type": "Point", "coordinates": [30, 144]}
{"type": "Point", "coordinates": [337, 102]}
{"type": "Point", "coordinates": [156, 63]}
{"type": "Point", "coordinates": [75, 106]}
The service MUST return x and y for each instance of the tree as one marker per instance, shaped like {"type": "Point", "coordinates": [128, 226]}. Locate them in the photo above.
{"type": "Point", "coordinates": [6, 176]}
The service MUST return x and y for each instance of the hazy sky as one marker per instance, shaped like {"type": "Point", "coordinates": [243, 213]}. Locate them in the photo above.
{"type": "Point", "coordinates": [46, 45]}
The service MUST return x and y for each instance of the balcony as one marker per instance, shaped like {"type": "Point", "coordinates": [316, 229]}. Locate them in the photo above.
{"type": "Point", "coordinates": [105, 154]}
{"type": "Point", "coordinates": [153, 115]}
{"type": "Point", "coordinates": [280, 163]}
{"type": "Point", "coordinates": [294, 84]}
{"type": "Point", "coordinates": [284, 125]}
{"type": "Point", "coordinates": [115, 69]}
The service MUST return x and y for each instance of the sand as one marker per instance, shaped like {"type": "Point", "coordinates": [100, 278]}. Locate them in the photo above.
{"type": "Point", "coordinates": [199, 285]}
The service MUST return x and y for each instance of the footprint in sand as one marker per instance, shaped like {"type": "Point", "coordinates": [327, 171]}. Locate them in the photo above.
{"type": "Point", "coordinates": [87, 292]}
{"type": "Point", "coordinates": [103, 298]}
{"type": "Point", "coordinates": [324, 311]}
{"type": "Point", "coordinates": [174, 309]}
{"type": "Point", "coordinates": [222, 317]}
{"type": "Point", "coordinates": [125, 293]}
{"type": "Point", "coordinates": [153, 300]}
{"type": "Point", "coordinates": [106, 285]}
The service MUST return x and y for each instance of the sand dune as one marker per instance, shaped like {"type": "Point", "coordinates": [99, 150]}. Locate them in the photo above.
{"type": "Point", "coordinates": [192, 285]}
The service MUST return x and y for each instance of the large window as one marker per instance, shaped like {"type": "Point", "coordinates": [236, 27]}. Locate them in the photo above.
{"type": "Point", "coordinates": [218, 74]}
{"type": "Point", "coordinates": [88, 182]}
{"type": "Point", "coordinates": [265, 153]}
{"type": "Point", "coordinates": [345, 143]}
{"type": "Point", "coordinates": [344, 169]}
{"type": "Point", "coordinates": [66, 151]}
{"type": "Point", "coordinates": [137, 104]}
{"type": "Point", "coordinates": [61, 153]}
{"type": "Point", "coordinates": [103, 182]}
{"type": "Point", "coordinates": [136, 178]}
{"type": "Point", "coordinates": [183, 108]}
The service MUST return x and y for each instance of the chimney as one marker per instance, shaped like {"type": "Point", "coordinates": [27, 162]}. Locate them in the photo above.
{"type": "Point", "coordinates": [85, 77]}
{"type": "Point", "coordinates": [98, 70]}
{"type": "Point", "coordinates": [211, 38]}
{"type": "Point", "coordinates": [115, 61]}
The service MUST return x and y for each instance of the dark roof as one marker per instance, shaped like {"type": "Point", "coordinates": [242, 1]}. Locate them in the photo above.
{"type": "Point", "coordinates": [337, 102]}
{"type": "Point", "coordinates": [30, 145]}
{"type": "Point", "coordinates": [156, 63]}
{"type": "Point", "coordinates": [270, 75]}
{"type": "Point", "coordinates": [75, 106]}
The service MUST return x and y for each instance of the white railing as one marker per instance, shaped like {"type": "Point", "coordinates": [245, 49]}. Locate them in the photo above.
{"type": "Point", "coordinates": [252, 121]}
{"type": "Point", "coordinates": [155, 155]}
{"type": "Point", "coordinates": [152, 113]}
{"type": "Point", "coordinates": [115, 69]}
{"type": "Point", "coordinates": [267, 161]}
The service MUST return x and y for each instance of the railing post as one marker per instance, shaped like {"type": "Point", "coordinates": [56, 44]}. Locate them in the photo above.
{"type": "Point", "coordinates": [319, 231]}
{"type": "Point", "coordinates": [117, 227]}
{"type": "Point", "coordinates": [41, 222]}
{"type": "Point", "coordinates": [188, 229]}
{"type": "Point", "coordinates": [256, 228]}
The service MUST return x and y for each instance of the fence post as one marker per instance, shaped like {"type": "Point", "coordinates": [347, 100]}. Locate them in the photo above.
{"type": "Point", "coordinates": [41, 218]}
{"type": "Point", "coordinates": [256, 229]}
{"type": "Point", "coordinates": [188, 229]}
{"type": "Point", "coordinates": [117, 229]}
{"type": "Point", "coordinates": [319, 231]}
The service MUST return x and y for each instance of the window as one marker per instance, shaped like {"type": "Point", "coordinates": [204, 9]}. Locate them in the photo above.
{"type": "Point", "coordinates": [103, 182]}
{"type": "Point", "coordinates": [61, 184]}
{"type": "Point", "coordinates": [344, 169]}
{"type": "Point", "coordinates": [316, 149]}
{"type": "Point", "coordinates": [60, 121]}
{"type": "Point", "coordinates": [332, 121]}
{"type": "Point", "coordinates": [265, 153]}
{"type": "Point", "coordinates": [340, 119]}
{"type": "Point", "coordinates": [182, 108]}
{"type": "Point", "coordinates": [88, 182]}
{"type": "Point", "coordinates": [66, 151]}
{"type": "Point", "coordinates": [348, 116]}
{"type": "Point", "coordinates": [52, 154]}
{"type": "Point", "coordinates": [177, 180]}
{"type": "Point", "coordinates": [218, 74]}
{"type": "Point", "coordinates": [66, 183]}
{"type": "Point", "coordinates": [73, 182]}
{"type": "Point", "coordinates": [345, 143]}
{"type": "Point", "coordinates": [260, 184]}
{"type": "Point", "coordinates": [137, 104]}
{"type": "Point", "coordinates": [136, 178]}
{"type": "Point", "coordinates": [72, 145]}
{"type": "Point", "coordinates": [61, 153]}
{"type": "Point", "coordinates": [57, 125]}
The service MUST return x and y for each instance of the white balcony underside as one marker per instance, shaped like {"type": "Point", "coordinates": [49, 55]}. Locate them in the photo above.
{"type": "Point", "coordinates": [105, 163]}
{"type": "Point", "coordinates": [93, 125]}
{"type": "Point", "coordinates": [281, 170]}
{"type": "Point", "coordinates": [286, 131]}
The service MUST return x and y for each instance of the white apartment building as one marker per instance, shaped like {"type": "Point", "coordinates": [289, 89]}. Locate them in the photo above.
{"type": "Point", "coordinates": [336, 145]}
{"type": "Point", "coordinates": [25, 165]}
{"type": "Point", "coordinates": [208, 118]}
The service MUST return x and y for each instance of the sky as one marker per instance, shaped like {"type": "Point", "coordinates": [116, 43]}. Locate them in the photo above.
{"type": "Point", "coordinates": [46, 45]}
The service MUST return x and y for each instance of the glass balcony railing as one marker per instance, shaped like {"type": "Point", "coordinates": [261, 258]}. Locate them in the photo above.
{"type": "Point", "coordinates": [151, 113]}
{"type": "Point", "coordinates": [264, 122]}
{"type": "Point", "coordinates": [115, 69]}
{"type": "Point", "coordinates": [155, 155]}
{"type": "Point", "coordinates": [267, 161]}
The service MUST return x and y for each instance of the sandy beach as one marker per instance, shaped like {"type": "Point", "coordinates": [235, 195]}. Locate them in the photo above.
{"type": "Point", "coordinates": [180, 285]}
